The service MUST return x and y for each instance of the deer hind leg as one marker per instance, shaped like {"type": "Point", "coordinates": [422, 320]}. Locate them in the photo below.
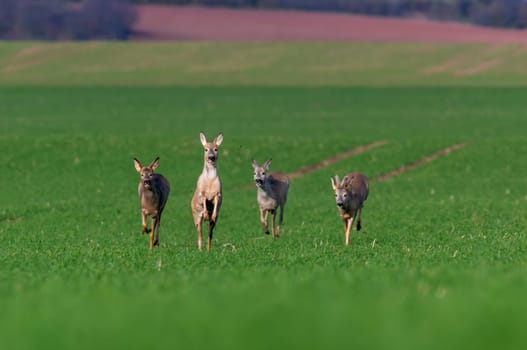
{"type": "Point", "coordinates": [358, 220]}
{"type": "Point", "coordinates": [156, 222]}
{"type": "Point", "coordinates": [263, 220]}
{"type": "Point", "coordinates": [280, 220]}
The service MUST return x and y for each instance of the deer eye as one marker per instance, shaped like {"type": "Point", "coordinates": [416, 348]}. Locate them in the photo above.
{"type": "Point", "coordinates": [206, 149]}
{"type": "Point", "coordinates": [215, 150]}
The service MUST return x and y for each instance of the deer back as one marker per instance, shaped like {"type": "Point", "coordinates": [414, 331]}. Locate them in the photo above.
{"type": "Point", "coordinates": [357, 186]}
{"type": "Point", "coordinates": [162, 189]}
{"type": "Point", "coordinates": [277, 185]}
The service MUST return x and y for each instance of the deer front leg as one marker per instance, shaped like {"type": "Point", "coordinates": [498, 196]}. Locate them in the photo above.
{"type": "Point", "coordinates": [263, 220]}
{"type": "Point", "coordinates": [154, 219]}
{"type": "Point", "coordinates": [215, 210]}
{"type": "Point", "coordinates": [204, 206]}
{"type": "Point", "coordinates": [273, 218]}
{"type": "Point", "coordinates": [212, 223]}
{"type": "Point", "coordinates": [200, 236]}
{"type": "Point", "coordinates": [144, 223]}
{"type": "Point", "coordinates": [348, 228]}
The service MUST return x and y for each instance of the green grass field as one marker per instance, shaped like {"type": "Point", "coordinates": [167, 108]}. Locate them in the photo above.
{"type": "Point", "coordinates": [442, 258]}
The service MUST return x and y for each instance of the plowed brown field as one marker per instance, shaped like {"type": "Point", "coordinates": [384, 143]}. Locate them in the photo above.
{"type": "Point", "coordinates": [198, 23]}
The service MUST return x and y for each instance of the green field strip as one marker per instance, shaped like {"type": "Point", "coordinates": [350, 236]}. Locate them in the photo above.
{"type": "Point", "coordinates": [439, 262]}
{"type": "Point", "coordinates": [260, 64]}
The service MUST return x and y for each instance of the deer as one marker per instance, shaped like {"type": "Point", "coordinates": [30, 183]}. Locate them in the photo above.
{"type": "Point", "coordinates": [153, 193]}
{"type": "Point", "coordinates": [350, 194]}
{"type": "Point", "coordinates": [271, 194]}
{"type": "Point", "coordinates": [207, 198]}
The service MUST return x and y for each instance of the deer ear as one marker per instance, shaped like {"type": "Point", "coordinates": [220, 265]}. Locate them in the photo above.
{"type": "Point", "coordinates": [138, 165]}
{"type": "Point", "coordinates": [203, 139]}
{"type": "Point", "coordinates": [154, 164]}
{"type": "Point", "coordinates": [266, 164]}
{"type": "Point", "coordinates": [347, 181]}
{"type": "Point", "coordinates": [334, 183]}
{"type": "Point", "coordinates": [255, 165]}
{"type": "Point", "coordinates": [219, 139]}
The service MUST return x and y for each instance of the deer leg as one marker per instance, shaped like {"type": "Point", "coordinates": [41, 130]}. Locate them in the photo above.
{"type": "Point", "coordinates": [263, 220]}
{"type": "Point", "coordinates": [273, 217]}
{"type": "Point", "coordinates": [144, 223]}
{"type": "Point", "coordinates": [348, 229]}
{"type": "Point", "coordinates": [204, 205]}
{"type": "Point", "coordinates": [215, 210]}
{"type": "Point", "coordinates": [280, 220]}
{"type": "Point", "coordinates": [211, 228]}
{"type": "Point", "coordinates": [152, 232]}
{"type": "Point", "coordinates": [198, 220]}
{"type": "Point", "coordinates": [358, 220]}
{"type": "Point", "coordinates": [200, 237]}
{"type": "Point", "coordinates": [155, 228]}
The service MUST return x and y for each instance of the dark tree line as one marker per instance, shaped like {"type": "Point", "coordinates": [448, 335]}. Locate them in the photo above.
{"type": "Point", "coordinates": [62, 19]}
{"type": "Point", "coordinates": [498, 13]}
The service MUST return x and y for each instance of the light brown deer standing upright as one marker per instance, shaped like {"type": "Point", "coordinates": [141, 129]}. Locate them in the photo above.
{"type": "Point", "coordinates": [153, 192]}
{"type": "Point", "coordinates": [350, 195]}
{"type": "Point", "coordinates": [271, 195]}
{"type": "Point", "coordinates": [207, 198]}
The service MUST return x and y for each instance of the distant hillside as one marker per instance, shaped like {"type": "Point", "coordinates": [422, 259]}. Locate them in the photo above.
{"type": "Point", "coordinates": [492, 13]}
{"type": "Point", "coordinates": [157, 22]}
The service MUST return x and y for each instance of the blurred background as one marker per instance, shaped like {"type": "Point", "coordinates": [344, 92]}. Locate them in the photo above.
{"type": "Point", "coordinates": [117, 19]}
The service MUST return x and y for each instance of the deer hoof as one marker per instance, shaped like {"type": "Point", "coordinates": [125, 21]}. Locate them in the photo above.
{"type": "Point", "coordinates": [358, 226]}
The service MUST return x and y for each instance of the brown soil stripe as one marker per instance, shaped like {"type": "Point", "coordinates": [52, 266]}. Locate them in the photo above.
{"type": "Point", "coordinates": [327, 162]}
{"type": "Point", "coordinates": [424, 160]}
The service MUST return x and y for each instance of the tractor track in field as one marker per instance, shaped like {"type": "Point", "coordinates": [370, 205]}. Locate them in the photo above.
{"type": "Point", "coordinates": [424, 160]}
{"type": "Point", "coordinates": [326, 162]}
{"type": "Point", "coordinates": [363, 148]}
{"type": "Point", "coordinates": [329, 161]}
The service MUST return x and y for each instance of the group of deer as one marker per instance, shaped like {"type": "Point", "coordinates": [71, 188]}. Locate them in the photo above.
{"type": "Point", "coordinates": [272, 188]}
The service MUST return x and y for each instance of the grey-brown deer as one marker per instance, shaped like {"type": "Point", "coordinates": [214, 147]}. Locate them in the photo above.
{"type": "Point", "coordinates": [350, 194]}
{"type": "Point", "coordinates": [153, 194]}
{"type": "Point", "coordinates": [207, 198]}
{"type": "Point", "coordinates": [271, 195]}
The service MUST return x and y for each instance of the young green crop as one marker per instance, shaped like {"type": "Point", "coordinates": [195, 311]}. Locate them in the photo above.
{"type": "Point", "coordinates": [440, 261]}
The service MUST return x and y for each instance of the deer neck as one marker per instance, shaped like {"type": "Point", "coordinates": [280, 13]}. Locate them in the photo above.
{"type": "Point", "coordinates": [209, 170]}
